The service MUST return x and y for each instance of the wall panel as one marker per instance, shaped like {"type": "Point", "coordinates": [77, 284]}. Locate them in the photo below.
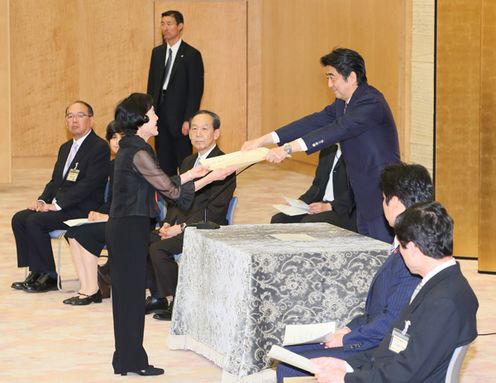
{"type": "Point", "coordinates": [487, 247]}
{"type": "Point", "coordinates": [457, 125]}
{"type": "Point", "coordinates": [297, 33]}
{"type": "Point", "coordinates": [115, 41]}
{"type": "Point", "coordinates": [95, 50]}
{"type": "Point", "coordinates": [45, 75]}
{"type": "Point", "coordinates": [5, 132]}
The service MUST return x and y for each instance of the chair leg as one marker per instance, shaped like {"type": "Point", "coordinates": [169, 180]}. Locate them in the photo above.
{"type": "Point", "coordinates": [59, 264]}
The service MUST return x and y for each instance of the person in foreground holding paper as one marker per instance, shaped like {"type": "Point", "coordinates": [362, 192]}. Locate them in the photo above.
{"type": "Point", "coordinates": [440, 317]}
{"type": "Point", "coordinates": [402, 185]}
{"type": "Point", "coordinates": [87, 241]}
{"type": "Point", "coordinates": [361, 121]}
{"type": "Point", "coordinates": [329, 198]}
{"type": "Point", "coordinates": [207, 204]}
{"type": "Point", "coordinates": [76, 187]}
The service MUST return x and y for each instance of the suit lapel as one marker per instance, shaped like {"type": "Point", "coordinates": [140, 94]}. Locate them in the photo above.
{"type": "Point", "coordinates": [177, 60]}
{"type": "Point", "coordinates": [85, 146]}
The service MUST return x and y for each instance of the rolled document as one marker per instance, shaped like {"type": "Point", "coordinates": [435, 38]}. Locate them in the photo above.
{"type": "Point", "coordinates": [235, 159]}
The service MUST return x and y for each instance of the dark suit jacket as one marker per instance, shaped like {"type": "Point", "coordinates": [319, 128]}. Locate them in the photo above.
{"type": "Point", "coordinates": [216, 208]}
{"type": "Point", "coordinates": [368, 137]}
{"type": "Point", "coordinates": [344, 202]}
{"type": "Point", "coordinates": [442, 316]}
{"type": "Point", "coordinates": [389, 293]}
{"type": "Point", "coordinates": [185, 87]}
{"type": "Point", "coordinates": [86, 193]}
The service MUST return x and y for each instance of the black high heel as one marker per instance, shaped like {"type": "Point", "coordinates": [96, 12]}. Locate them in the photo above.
{"type": "Point", "coordinates": [149, 371]}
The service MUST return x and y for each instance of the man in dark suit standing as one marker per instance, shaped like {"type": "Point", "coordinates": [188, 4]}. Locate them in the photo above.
{"type": "Point", "coordinates": [440, 317]}
{"type": "Point", "coordinates": [175, 81]}
{"type": "Point", "coordinates": [330, 198]}
{"type": "Point", "coordinates": [210, 203]}
{"type": "Point", "coordinates": [361, 121]}
{"type": "Point", "coordinates": [77, 187]}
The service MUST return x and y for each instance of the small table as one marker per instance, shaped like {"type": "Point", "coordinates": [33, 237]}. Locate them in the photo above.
{"type": "Point", "coordinates": [239, 286]}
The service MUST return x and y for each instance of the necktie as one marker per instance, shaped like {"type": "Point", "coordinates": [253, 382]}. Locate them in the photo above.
{"type": "Point", "coordinates": [70, 157]}
{"type": "Point", "coordinates": [345, 107]}
{"type": "Point", "coordinates": [416, 291]}
{"type": "Point", "coordinates": [168, 64]}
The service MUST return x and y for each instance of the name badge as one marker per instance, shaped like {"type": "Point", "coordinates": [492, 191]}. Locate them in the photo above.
{"type": "Point", "coordinates": [73, 174]}
{"type": "Point", "coordinates": [399, 339]}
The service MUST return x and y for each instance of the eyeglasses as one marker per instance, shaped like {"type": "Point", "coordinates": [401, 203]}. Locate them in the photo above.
{"type": "Point", "coordinates": [77, 116]}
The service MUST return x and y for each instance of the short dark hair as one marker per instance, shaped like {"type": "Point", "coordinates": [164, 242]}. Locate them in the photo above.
{"type": "Point", "coordinates": [429, 227]}
{"type": "Point", "coordinates": [410, 183]}
{"type": "Point", "coordinates": [113, 128]}
{"type": "Point", "coordinates": [215, 117]}
{"type": "Point", "coordinates": [346, 61]}
{"type": "Point", "coordinates": [178, 16]}
{"type": "Point", "coordinates": [88, 106]}
{"type": "Point", "coordinates": [131, 112]}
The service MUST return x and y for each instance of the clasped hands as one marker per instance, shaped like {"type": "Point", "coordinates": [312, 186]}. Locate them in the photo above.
{"type": "Point", "coordinates": [167, 231]}
{"type": "Point", "coordinates": [42, 207]}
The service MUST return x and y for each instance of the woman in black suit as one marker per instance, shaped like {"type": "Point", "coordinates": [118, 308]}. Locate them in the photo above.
{"type": "Point", "coordinates": [136, 177]}
{"type": "Point", "coordinates": [87, 241]}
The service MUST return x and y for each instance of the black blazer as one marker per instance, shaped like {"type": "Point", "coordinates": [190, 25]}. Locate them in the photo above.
{"type": "Point", "coordinates": [185, 88]}
{"type": "Point", "coordinates": [216, 208]}
{"type": "Point", "coordinates": [442, 317]}
{"type": "Point", "coordinates": [343, 203]}
{"type": "Point", "coordinates": [86, 193]}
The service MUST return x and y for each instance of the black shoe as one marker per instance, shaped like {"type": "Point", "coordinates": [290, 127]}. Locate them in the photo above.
{"type": "Point", "coordinates": [44, 283]}
{"type": "Point", "coordinates": [68, 301]}
{"type": "Point", "coordinates": [166, 314]}
{"type": "Point", "coordinates": [153, 305]}
{"type": "Point", "coordinates": [30, 279]}
{"type": "Point", "coordinates": [95, 298]}
{"type": "Point", "coordinates": [149, 371]}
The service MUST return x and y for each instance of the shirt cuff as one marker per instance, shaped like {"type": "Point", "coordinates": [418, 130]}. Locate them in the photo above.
{"type": "Point", "coordinates": [347, 367]}
{"type": "Point", "coordinates": [275, 137]}
{"type": "Point", "coordinates": [302, 144]}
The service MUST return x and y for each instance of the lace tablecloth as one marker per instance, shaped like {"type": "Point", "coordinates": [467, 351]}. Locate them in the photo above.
{"type": "Point", "coordinates": [239, 286]}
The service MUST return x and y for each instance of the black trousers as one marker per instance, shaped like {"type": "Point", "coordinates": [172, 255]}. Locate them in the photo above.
{"type": "Point", "coordinates": [34, 247]}
{"type": "Point", "coordinates": [344, 221]}
{"type": "Point", "coordinates": [127, 241]}
{"type": "Point", "coordinates": [171, 148]}
{"type": "Point", "coordinates": [164, 267]}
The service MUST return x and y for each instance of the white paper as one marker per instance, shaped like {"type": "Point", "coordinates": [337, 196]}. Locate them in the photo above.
{"type": "Point", "coordinates": [290, 210]}
{"type": "Point", "coordinates": [307, 333]}
{"type": "Point", "coordinates": [237, 159]}
{"type": "Point", "coordinates": [289, 357]}
{"type": "Point", "coordinates": [293, 237]}
{"type": "Point", "coordinates": [80, 221]}
{"type": "Point", "coordinates": [297, 203]}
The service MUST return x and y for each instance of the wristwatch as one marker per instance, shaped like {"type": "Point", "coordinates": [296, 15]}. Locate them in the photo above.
{"type": "Point", "coordinates": [183, 227]}
{"type": "Point", "coordinates": [287, 148]}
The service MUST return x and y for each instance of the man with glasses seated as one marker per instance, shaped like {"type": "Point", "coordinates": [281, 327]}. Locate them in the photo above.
{"type": "Point", "coordinates": [76, 187]}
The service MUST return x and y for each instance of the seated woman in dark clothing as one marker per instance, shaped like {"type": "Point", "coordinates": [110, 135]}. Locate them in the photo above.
{"type": "Point", "coordinates": [137, 175]}
{"type": "Point", "coordinates": [87, 241]}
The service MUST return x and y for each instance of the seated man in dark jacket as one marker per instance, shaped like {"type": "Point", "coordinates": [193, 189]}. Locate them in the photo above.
{"type": "Point", "coordinates": [210, 203]}
{"type": "Point", "coordinates": [330, 198]}
{"type": "Point", "coordinates": [76, 187]}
